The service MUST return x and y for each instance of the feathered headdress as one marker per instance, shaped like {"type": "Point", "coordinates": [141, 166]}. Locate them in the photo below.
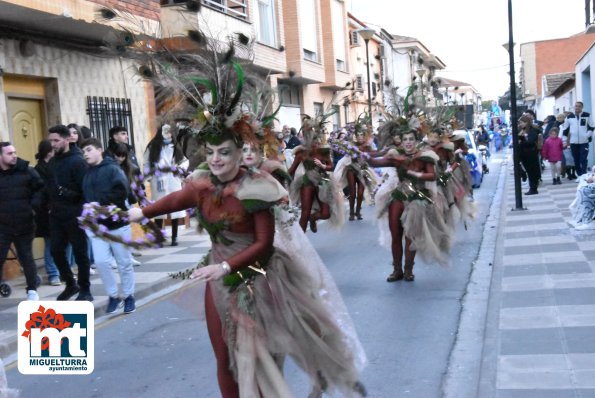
{"type": "Point", "coordinates": [199, 75]}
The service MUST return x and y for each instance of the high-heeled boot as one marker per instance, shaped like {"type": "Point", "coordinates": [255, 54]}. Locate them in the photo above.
{"type": "Point", "coordinates": [408, 274]}
{"type": "Point", "coordinates": [397, 273]}
{"type": "Point", "coordinates": [358, 211]}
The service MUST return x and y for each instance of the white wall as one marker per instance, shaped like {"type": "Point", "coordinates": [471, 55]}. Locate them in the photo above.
{"type": "Point", "coordinates": [565, 102]}
{"type": "Point", "coordinates": [545, 106]}
{"type": "Point", "coordinates": [587, 63]}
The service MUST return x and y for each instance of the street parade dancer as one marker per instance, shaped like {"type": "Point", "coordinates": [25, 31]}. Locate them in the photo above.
{"type": "Point", "coordinates": [313, 186]}
{"type": "Point", "coordinates": [353, 171]}
{"type": "Point", "coordinates": [462, 176]}
{"type": "Point", "coordinates": [253, 156]}
{"type": "Point", "coordinates": [411, 211]}
{"type": "Point", "coordinates": [261, 304]}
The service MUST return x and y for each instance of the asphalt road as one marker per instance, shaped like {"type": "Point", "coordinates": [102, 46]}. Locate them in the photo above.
{"type": "Point", "coordinates": [407, 329]}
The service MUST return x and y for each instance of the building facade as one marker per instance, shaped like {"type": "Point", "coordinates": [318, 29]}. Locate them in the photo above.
{"type": "Point", "coordinates": [53, 71]}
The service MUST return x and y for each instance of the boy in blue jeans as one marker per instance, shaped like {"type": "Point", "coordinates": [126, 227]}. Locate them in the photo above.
{"type": "Point", "coordinates": [106, 184]}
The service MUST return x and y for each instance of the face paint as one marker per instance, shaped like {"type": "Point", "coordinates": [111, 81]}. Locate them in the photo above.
{"type": "Point", "coordinates": [433, 139]}
{"type": "Point", "coordinates": [224, 160]}
{"type": "Point", "coordinates": [409, 142]}
{"type": "Point", "coordinates": [251, 156]}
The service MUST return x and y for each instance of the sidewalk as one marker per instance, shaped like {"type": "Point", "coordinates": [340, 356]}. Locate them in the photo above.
{"type": "Point", "coordinates": [540, 330]}
{"type": "Point", "coordinates": [151, 277]}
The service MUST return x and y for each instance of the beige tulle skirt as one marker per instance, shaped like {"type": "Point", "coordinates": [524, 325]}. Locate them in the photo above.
{"type": "Point", "coordinates": [329, 192]}
{"type": "Point", "coordinates": [363, 173]}
{"type": "Point", "coordinates": [423, 222]}
{"type": "Point", "coordinates": [295, 310]}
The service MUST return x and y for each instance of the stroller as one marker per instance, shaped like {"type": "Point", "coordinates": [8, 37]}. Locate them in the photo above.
{"type": "Point", "coordinates": [5, 289]}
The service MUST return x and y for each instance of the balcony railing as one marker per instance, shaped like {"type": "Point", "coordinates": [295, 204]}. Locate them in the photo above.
{"type": "Point", "coordinates": [234, 8]}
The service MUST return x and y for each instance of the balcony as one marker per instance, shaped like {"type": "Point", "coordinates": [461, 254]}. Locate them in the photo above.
{"type": "Point", "coordinates": [234, 8]}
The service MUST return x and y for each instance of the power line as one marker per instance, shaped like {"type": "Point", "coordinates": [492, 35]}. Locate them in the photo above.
{"type": "Point", "coordinates": [478, 69]}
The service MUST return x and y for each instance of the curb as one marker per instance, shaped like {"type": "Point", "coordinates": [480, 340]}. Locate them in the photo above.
{"type": "Point", "coordinates": [463, 373]}
{"type": "Point", "coordinates": [162, 286]}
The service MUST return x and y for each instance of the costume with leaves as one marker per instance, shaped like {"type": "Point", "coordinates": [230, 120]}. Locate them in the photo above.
{"type": "Point", "coordinates": [353, 171]}
{"type": "Point", "coordinates": [269, 304]}
{"type": "Point", "coordinates": [407, 200]}
{"type": "Point", "coordinates": [314, 187]}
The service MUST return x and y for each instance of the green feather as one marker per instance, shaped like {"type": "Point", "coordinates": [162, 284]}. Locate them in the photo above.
{"type": "Point", "coordinates": [271, 117]}
{"type": "Point", "coordinates": [239, 87]}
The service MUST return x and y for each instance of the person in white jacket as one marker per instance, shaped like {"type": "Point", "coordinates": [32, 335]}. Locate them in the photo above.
{"type": "Point", "coordinates": [578, 130]}
{"type": "Point", "coordinates": [162, 152]}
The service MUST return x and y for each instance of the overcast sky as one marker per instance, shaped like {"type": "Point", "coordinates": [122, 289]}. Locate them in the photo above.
{"type": "Point", "coordinates": [467, 35]}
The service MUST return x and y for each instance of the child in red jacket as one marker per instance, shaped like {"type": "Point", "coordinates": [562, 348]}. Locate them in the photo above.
{"type": "Point", "coordinates": [553, 152]}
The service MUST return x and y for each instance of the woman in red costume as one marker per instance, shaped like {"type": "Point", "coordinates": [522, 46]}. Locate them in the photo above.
{"type": "Point", "coordinates": [411, 211]}
{"type": "Point", "coordinates": [446, 190]}
{"type": "Point", "coordinates": [462, 177]}
{"type": "Point", "coordinates": [353, 171]}
{"type": "Point", "coordinates": [261, 304]}
{"type": "Point", "coordinates": [253, 157]}
{"type": "Point", "coordinates": [313, 185]}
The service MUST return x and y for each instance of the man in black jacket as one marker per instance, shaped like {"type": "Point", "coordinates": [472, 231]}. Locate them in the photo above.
{"type": "Point", "coordinates": [119, 134]}
{"type": "Point", "coordinates": [66, 172]}
{"type": "Point", "coordinates": [21, 187]}
{"type": "Point", "coordinates": [106, 184]}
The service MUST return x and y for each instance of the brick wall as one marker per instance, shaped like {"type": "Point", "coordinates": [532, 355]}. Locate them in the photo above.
{"type": "Point", "coordinates": [144, 8]}
{"type": "Point", "coordinates": [559, 55]}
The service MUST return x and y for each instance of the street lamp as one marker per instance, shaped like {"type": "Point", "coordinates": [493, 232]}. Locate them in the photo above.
{"type": "Point", "coordinates": [513, 116]}
{"type": "Point", "coordinates": [367, 34]}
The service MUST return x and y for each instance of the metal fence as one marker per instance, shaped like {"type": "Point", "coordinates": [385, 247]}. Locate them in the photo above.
{"type": "Point", "coordinates": [105, 113]}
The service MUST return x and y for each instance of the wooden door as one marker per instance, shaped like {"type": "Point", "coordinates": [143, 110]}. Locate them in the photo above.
{"type": "Point", "coordinates": [26, 124]}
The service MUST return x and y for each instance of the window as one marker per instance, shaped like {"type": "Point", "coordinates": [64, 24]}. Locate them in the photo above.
{"type": "Point", "coordinates": [336, 117]}
{"type": "Point", "coordinates": [354, 38]}
{"type": "Point", "coordinates": [382, 51]}
{"type": "Point", "coordinates": [289, 94]}
{"type": "Point", "coordinates": [373, 89]}
{"type": "Point", "coordinates": [318, 108]}
{"type": "Point", "coordinates": [266, 32]}
{"type": "Point", "coordinates": [234, 8]}
{"type": "Point", "coordinates": [359, 83]}
{"type": "Point", "coordinates": [310, 56]}
{"type": "Point", "coordinates": [338, 26]}
{"type": "Point", "coordinates": [308, 28]}
{"type": "Point", "coordinates": [105, 113]}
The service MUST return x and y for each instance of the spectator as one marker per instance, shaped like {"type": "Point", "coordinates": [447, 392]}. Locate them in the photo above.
{"type": "Point", "coordinates": [86, 132]}
{"type": "Point", "coordinates": [106, 184]}
{"type": "Point", "coordinates": [42, 217]}
{"type": "Point", "coordinates": [21, 194]}
{"type": "Point", "coordinates": [578, 128]}
{"type": "Point", "coordinates": [66, 172]}
{"type": "Point", "coordinates": [528, 136]}
{"type": "Point", "coordinates": [293, 139]}
{"type": "Point", "coordinates": [162, 152]}
{"type": "Point", "coordinates": [121, 155]}
{"type": "Point", "coordinates": [75, 134]}
{"type": "Point", "coordinates": [582, 208]}
{"type": "Point", "coordinates": [552, 151]}
{"type": "Point", "coordinates": [120, 134]}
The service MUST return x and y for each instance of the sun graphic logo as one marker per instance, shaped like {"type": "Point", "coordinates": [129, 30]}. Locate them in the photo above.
{"type": "Point", "coordinates": [56, 337]}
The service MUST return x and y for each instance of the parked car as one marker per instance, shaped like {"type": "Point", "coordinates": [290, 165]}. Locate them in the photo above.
{"type": "Point", "coordinates": [474, 158]}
